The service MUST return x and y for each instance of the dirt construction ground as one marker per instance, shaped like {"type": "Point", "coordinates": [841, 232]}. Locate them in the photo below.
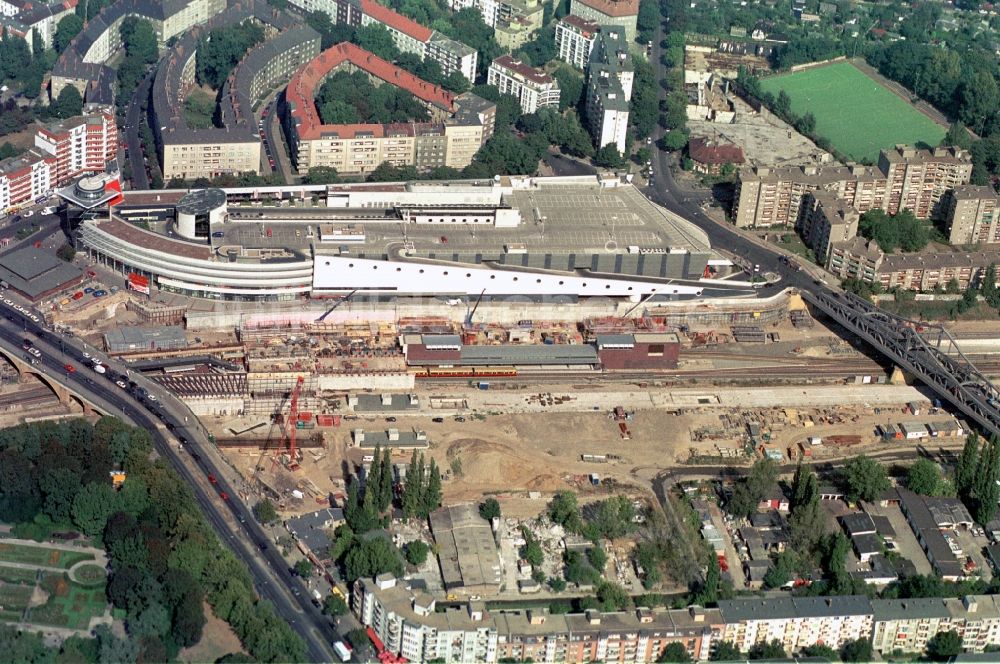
{"type": "Point", "coordinates": [522, 458]}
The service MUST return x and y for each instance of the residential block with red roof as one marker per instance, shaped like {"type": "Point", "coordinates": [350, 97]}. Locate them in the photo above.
{"type": "Point", "coordinates": [459, 124]}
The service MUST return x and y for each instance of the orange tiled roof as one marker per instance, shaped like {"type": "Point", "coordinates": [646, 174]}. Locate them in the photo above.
{"type": "Point", "coordinates": [407, 26]}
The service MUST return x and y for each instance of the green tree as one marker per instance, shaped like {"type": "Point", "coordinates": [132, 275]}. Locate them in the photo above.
{"type": "Point", "coordinates": [416, 552]}
{"type": "Point", "coordinates": [725, 651]}
{"type": "Point", "coordinates": [334, 605]}
{"type": "Point", "coordinates": [783, 570]}
{"type": "Point", "coordinates": [265, 512]}
{"type": "Point", "coordinates": [564, 510]}
{"type": "Point", "coordinates": [69, 26]}
{"type": "Point", "coordinates": [66, 252]}
{"type": "Point", "coordinates": [772, 649]}
{"type": "Point", "coordinates": [820, 650]}
{"type": "Point", "coordinates": [944, 645]}
{"type": "Point", "coordinates": [375, 38]}
{"type": "Point", "coordinates": [304, 567]}
{"type": "Point", "coordinates": [609, 157]}
{"type": "Point", "coordinates": [413, 487]}
{"type": "Point", "coordinates": [675, 651]}
{"type": "Point", "coordinates": [489, 509]}
{"type": "Point", "coordinates": [92, 506]}
{"type": "Point", "coordinates": [385, 482]}
{"type": "Point", "coordinates": [59, 486]}
{"type": "Point", "coordinates": [987, 491]}
{"type": "Point", "coordinates": [612, 518]}
{"type": "Point", "coordinates": [708, 592]}
{"type": "Point", "coordinates": [612, 596]}
{"type": "Point", "coordinates": [923, 477]}
{"type": "Point", "coordinates": [859, 650]}
{"type": "Point", "coordinates": [532, 549]}
{"type": "Point", "coordinates": [372, 556]}
{"type": "Point", "coordinates": [866, 478]}
{"type": "Point", "coordinates": [571, 85]}
{"type": "Point", "coordinates": [432, 492]}
{"type": "Point", "coordinates": [759, 481]}
{"type": "Point", "coordinates": [188, 620]}
{"type": "Point", "coordinates": [69, 103]}
{"type": "Point", "coordinates": [321, 175]}
{"type": "Point", "coordinates": [557, 584]}
{"type": "Point", "coordinates": [957, 136]}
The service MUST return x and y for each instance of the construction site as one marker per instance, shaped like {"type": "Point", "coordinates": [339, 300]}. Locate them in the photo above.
{"type": "Point", "coordinates": [299, 402]}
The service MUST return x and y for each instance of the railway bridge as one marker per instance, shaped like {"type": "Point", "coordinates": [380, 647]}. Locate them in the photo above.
{"type": "Point", "coordinates": [925, 350]}
{"type": "Point", "coordinates": [66, 397]}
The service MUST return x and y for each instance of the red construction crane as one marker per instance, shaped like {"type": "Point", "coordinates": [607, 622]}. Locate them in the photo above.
{"type": "Point", "coordinates": [292, 423]}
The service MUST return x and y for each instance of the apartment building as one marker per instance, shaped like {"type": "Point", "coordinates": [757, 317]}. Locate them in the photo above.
{"type": "Point", "coordinates": [84, 144]}
{"type": "Point", "coordinates": [856, 258]}
{"type": "Point", "coordinates": [575, 37]}
{"type": "Point", "coordinates": [826, 218]}
{"type": "Point", "coordinates": [23, 179]}
{"type": "Point", "coordinates": [609, 88]}
{"type": "Point", "coordinates": [621, 13]}
{"type": "Point", "coordinates": [533, 88]}
{"type": "Point", "coordinates": [83, 63]}
{"type": "Point", "coordinates": [408, 35]}
{"type": "Point", "coordinates": [409, 624]}
{"type": "Point", "coordinates": [63, 150]}
{"type": "Point", "coordinates": [973, 216]}
{"type": "Point", "coordinates": [861, 259]}
{"type": "Point", "coordinates": [514, 22]}
{"type": "Point", "coordinates": [39, 18]}
{"type": "Point", "coordinates": [796, 622]}
{"type": "Point", "coordinates": [905, 178]}
{"type": "Point", "coordinates": [919, 179]}
{"type": "Point", "coordinates": [908, 624]}
{"type": "Point", "coordinates": [457, 129]}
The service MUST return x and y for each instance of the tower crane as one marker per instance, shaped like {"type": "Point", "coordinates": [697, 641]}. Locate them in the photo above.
{"type": "Point", "coordinates": [292, 422]}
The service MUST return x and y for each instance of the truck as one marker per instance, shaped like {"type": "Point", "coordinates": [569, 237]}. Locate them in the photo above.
{"type": "Point", "coordinates": [343, 651]}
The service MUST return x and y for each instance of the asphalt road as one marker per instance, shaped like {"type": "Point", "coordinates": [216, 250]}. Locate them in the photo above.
{"type": "Point", "coordinates": [47, 225]}
{"type": "Point", "coordinates": [275, 142]}
{"type": "Point", "coordinates": [232, 520]}
{"type": "Point", "coordinates": [133, 119]}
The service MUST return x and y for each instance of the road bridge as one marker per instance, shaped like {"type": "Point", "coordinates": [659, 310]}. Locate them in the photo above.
{"type": "Point", "coordinates": [927, 351]}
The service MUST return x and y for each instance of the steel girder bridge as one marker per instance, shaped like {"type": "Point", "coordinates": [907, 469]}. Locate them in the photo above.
{"type": "Point", "coordinates": [927, 351]}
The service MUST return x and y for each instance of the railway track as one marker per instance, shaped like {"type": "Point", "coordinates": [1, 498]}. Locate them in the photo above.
{"type": "Point", "coordinates": [826, 368]}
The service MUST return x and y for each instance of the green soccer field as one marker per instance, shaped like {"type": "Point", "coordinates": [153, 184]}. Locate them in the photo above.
{"type": "Point", "coordinates": [857, 114]}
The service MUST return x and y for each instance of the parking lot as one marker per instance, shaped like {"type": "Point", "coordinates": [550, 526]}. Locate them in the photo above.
{"type": "Point", "coordinates": [567, 219]}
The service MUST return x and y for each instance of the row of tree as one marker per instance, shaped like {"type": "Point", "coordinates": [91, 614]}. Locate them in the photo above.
{"type": "Point", "coordinates": [976, 475]}
{"type": "Point", "coordinates": [361, 546]}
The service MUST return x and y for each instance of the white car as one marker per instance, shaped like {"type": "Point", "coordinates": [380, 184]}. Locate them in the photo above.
{"type": "Point", "coordinates": [48, 210]}
{"type": "Point", "coordinates": [25, 215]}
{"type": "Point", "coordinates": [151, 397]}
{"type": "Point", "coordinates": [86, 356]}
{"type": "Point", "coordinates": [97, 361]}
{"type": "Point", "coordinates": [34, 351]}
{"type": "Point", "coordinates": [120, 383]}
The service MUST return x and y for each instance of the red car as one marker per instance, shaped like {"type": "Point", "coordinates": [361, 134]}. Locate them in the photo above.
{"type": "Point", "coordinates": [69, 368]}
{"type": "Point", "coordinates": [444, 240]}
{"type": "Point", "coordinates": [211, 478]}
{"type": "Point", "coordinates": [223, 495]}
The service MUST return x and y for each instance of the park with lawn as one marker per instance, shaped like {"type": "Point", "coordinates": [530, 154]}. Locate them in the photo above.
{"type": "Point", "coordinates": [52, 586]}
{"type": "Point", "coordinates": [856, 113]}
